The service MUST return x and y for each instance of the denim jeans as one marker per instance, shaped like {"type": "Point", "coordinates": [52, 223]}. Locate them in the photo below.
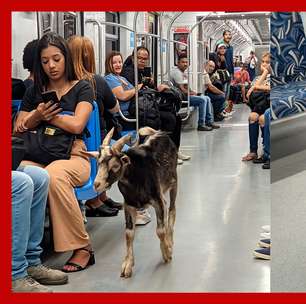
{"type": "Point", "coordinates": [266, 134]}
{"type": "Point", "coordinates": [218, 102]}
{"type": "Point", "coordinates": [29, 196]}
{"type": "Point", "coordinates": [205, 109]}
{"type": "Point", "coordinates": [253, 136]}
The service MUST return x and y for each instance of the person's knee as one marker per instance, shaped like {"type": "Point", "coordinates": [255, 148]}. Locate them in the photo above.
{"type": "Point", "coordinates": [261, 120]}
{"type": "Point", "coordinates": [22, 184]}
{"type": "Point", "coordinates": [253, 117]}
{"type": "Point", "coordinates": [39, 176]}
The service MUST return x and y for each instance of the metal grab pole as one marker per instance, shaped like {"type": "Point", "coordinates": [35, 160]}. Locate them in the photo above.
{"type": "Point", "coordinates": [136, 71]}
{"type": "Point", "coordinates": [99, 24]}
{"type": "Point", "coordinates": [161, 60]}
{"type": "Point", "coordinates": [188, 56]}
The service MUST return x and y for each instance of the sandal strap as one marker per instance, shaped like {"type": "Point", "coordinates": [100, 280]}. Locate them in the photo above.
{"type": "Point", "coordinates": [77, 266]}
{"type": "Point", "coordinates": [86, 249]}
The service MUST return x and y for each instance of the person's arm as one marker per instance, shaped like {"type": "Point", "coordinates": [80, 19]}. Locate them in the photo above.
{"type": "Point", "coordinates": [214, 89]}
{"type": "Point", "coordinates": [29, 120]}
{"type": "Point", "coordinates": [125, 95]}
{"type": "Point", "coordinates": [74, 124]}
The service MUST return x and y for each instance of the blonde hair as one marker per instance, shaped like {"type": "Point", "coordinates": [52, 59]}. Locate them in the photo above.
{"type": "Point", "coordinates": [83, 57]}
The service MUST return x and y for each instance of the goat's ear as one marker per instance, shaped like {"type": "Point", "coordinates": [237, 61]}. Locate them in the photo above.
{"type": "Point", "coordinates": [125, 160]}
{"type": "Point", "coordinates": [94, 154]}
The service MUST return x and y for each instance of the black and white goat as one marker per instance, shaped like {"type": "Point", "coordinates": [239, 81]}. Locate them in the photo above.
{"type": "Point", "coordinates": [144, 173]}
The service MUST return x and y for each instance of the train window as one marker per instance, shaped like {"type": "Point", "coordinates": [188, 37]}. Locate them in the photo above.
{"type": "Point", "coordinates": [69, 25]}
{"type": "Point", "coordinates": [112, 32]}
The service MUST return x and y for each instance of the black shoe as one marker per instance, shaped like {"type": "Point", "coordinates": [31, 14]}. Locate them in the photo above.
{"type": "Point", "coordinates": [101, 211]}
{"type": "Point", "coordinates": [112, 204]}
{"type": "Point", "coordinates": [213, 125]}
{"type": "Point", "coordinates": [219, 117]}
{"type": "Point", "coordinates": [260, 160]}
{"type": "Point", "coordinates": [204, 128]}
{"type": "Point", "coordinates": [266, 165]}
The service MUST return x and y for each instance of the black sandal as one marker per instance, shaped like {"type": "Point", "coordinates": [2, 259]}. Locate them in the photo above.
{"type": "Point", "coordinates": [101, 211]}
{"type": "Point", "coordinates": [91, 261]}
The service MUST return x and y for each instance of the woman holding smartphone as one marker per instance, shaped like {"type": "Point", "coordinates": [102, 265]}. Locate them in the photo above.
{"type": "Point", "coordinates": [54, 71]}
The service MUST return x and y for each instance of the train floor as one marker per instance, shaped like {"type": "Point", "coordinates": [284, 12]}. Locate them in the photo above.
{"type": "Point", "coordinates": [222, 202]}
{"type": "Point", "coordinates": [288, 221]}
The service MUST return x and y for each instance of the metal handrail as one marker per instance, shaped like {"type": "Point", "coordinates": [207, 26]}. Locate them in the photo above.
{"type": "Point", "coordinates": [99, 24]}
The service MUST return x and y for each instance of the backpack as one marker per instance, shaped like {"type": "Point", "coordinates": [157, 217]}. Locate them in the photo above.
{"type": "Point", "coordinates": [170, 100]}
{"type": "Point", "coordinates": [148, 111]}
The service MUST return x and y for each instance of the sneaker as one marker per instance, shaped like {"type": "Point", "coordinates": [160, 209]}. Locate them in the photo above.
{"type": "Point", "coordinates": [226, 114]}
{"type": "Point", "coordinates": [182, 156]}
{"type": "Point", "coordinates": [266, 228]}
{"type": "Point", "coordinates": [265, 235]}
{"type": "Point", "coordinates": [28, 284]}
{"type": "Point", "coordinates": [265, 243]}
{"type": "Point", "coordinates": [47, 276]}
{"type": "Point", "coordinates": [179, 161]}
{"type": "Point", "coordinates": [262, 253]}
{"type": "Point", "coordinates": [143, 217]}
{"type": "Point", "coordinates": [204, 128]}
{"type": "Point", "coordinates": [213, 125]}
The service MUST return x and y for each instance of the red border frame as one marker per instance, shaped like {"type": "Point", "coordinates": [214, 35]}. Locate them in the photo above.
{"type": "Point", "coordinates": [5, 160]}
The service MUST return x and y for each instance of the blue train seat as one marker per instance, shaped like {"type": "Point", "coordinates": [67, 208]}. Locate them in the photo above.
{"type": "Point", "coordinates": [93, 143]}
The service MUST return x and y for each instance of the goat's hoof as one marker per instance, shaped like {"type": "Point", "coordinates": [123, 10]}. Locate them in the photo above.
{"type": "Point", "coordinates": [126, 271]}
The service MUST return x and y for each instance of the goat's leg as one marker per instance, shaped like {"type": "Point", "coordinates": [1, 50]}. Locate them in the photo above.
{"type": "Point", "coordinates": [165, 246]}
{"type": "Point", "coordinates": [128, 262]}
{"type": "Point", "coordinates": [171, 214]}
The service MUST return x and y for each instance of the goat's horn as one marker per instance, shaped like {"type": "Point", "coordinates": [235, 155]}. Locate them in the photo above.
{"type": "Point", "coordinates": [108, 138]}
{"type": "Point", "coordinates": [118, 145]}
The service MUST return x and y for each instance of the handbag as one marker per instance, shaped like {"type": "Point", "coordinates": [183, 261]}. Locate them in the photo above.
{"type": "Point", "coordinates": [47, 143]}
{"type": "Point", "coordinates": [18, 151]}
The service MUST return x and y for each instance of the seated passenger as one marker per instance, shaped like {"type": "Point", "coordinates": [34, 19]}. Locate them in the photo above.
{"type": "Point", "coordinates": [54, 71]}
{"type": "Point", "coordinates": [258, 98]}
{"type": "Point", "coordinates": [170, 121]}
{"type": "Point", "coordinates": [28, 61]}
{"type": "Point", "coordinates": [241, 80]}
{"type": "Point", "coordinates": [216, 96]}
{"type": "Point", "coordinates": [179, 77]}
{"type": "Point", "coordinates": [83, 57]}
{"type": "Point", "coordinates": [29, 199]}
{"type": "Point", "coordinates": [125, 93]}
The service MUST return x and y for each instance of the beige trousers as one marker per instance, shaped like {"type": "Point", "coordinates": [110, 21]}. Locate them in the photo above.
{"type": "Point", "coordinates": [69, 231]}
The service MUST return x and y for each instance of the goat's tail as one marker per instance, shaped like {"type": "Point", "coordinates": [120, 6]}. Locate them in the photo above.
{"type": "Point", "coordinates": [146, 131]}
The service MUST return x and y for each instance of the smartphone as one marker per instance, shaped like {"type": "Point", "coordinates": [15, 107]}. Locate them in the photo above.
{"type": "Point", "coordinates": [147, 72]}
{"type": "Point", "coordinates": [49, 96]}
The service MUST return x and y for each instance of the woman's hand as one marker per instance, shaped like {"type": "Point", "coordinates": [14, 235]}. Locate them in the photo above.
{"type": "Point", "coordinates": [46, 111]}
{"type": "Point", "coordinates": [162, 87]}
{"type": "Point", "coordinates": [140, 85]}
{"type": "Point", "coordinates": [249, 93]}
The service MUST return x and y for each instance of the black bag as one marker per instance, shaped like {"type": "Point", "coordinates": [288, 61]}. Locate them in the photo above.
{"type": "Point", "coordinates": [147, 108]}
{"type": "Point", "coordinates": [224, 75]}
{"type": "Point", "coordinates": [170, 100]}
{"type": "Point", "coordinates": [47, 143]}
{"type": "Point", "coordinates": [259, 102]}
{"type": "Point", "coordinates": [18, 151]}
